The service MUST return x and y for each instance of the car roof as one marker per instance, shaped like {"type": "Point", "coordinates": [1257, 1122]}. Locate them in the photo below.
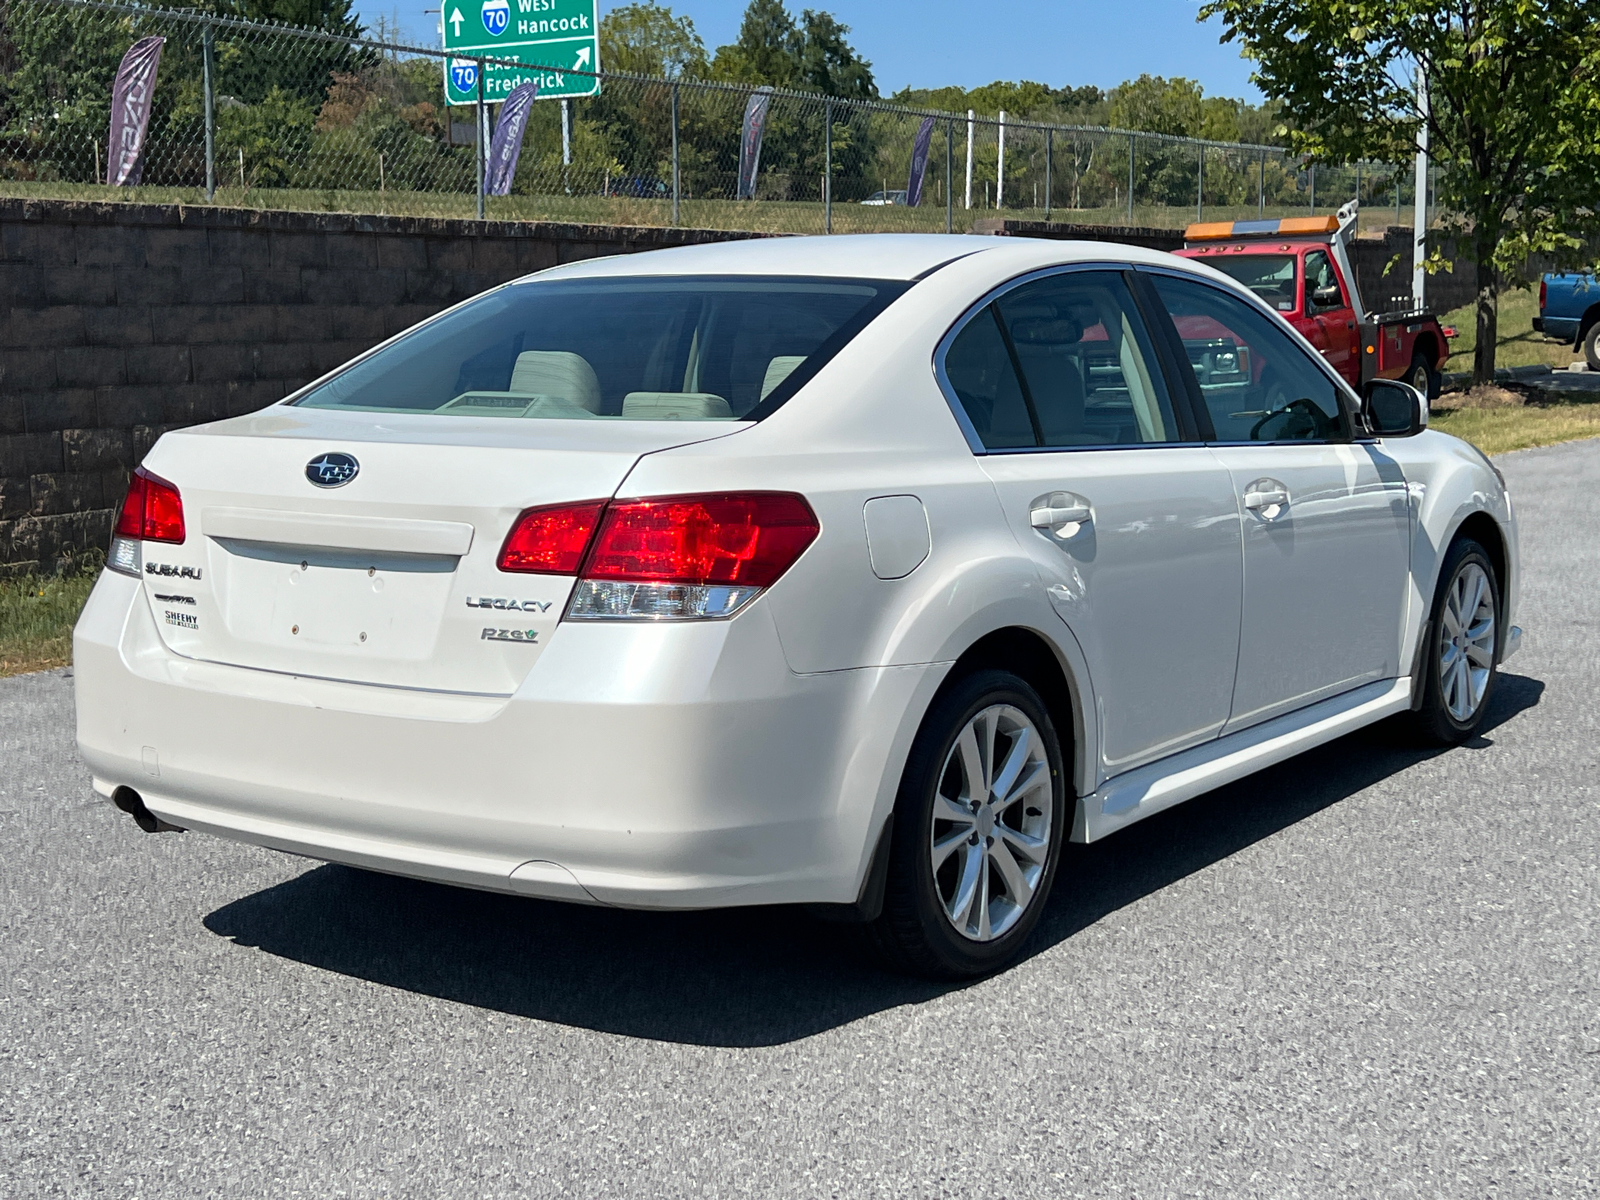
{"type": "Point", "coordinates": [849, 256]}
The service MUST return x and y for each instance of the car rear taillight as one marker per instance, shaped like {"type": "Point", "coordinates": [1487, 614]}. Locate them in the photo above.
{"type": "Point", "coordinates": [690, 556]}
{"type": "Point", "coordinates": [152, 511]}
{"type": "Point", "coordinates": [674, 557]}
{"type": "Point", "coordinates": [1542, 286]}
{"type": "Point", "coordinates": [550, 541]}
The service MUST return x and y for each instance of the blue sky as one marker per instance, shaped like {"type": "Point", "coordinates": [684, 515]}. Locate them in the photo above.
{"type": "Point", "coordinates": [930, 43]}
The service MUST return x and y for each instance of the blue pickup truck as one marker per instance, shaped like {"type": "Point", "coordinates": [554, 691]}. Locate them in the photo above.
{"type": "Point", "coordinates": [1569, 309]}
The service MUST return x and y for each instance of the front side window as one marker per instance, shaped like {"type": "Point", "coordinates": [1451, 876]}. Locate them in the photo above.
{"type": "Point", "coordinates": [1322, 284]}
{"type": "Point", "coordinates": [644, 348]}
{"type": "Point", "coordinates": [1257, 383]}
{"type": "Point", "coordinates": [1061, 362]}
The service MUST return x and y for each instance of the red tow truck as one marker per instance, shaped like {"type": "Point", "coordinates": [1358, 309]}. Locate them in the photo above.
{"type": "Point", "coordinates": [1300, 267]}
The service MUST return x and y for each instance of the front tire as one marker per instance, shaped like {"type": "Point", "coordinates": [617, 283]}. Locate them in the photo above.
{"type": "Point", "coordinates": [979, 824]}
{"type": "Point", "coordinates": [1463, 648]}
{"type": "Point", "coordinates": [1591, 347]}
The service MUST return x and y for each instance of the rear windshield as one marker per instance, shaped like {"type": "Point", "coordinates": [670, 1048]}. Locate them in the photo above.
{"type": "Point", "coordinates": [636, 349]}
{"type": "Point", "coordinates": [1270, 276]}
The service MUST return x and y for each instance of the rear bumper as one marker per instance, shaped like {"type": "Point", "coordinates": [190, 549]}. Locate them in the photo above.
{"type": "Point", "coordinates": [656, 766]}
{"type": "Point", "coordinates": [1565, 328]}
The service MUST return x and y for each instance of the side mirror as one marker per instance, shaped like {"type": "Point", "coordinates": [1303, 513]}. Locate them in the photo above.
{"type": "Point", "coordinates": [1327, 297]}
{"type": "Point", "coordinates": [1394, 409]}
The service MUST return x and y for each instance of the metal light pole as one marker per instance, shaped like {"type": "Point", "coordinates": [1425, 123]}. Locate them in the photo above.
{"type": "Point", "coordinates": [1049, 146]}
{"type": "Point", "coordinates": [1000, 166]}
{"type": "Point", "coordinates": [211, 116]}
{"type": "Point", "coordinates": [950, 176]}
{"type": "Point", "coordinates": [969, 159]}
{"type": "Point", "coordinates": [1419, 235]}
{"type": "Point", "coordinates": [827, 166]}
{"type": "Point", "coordinates": [677, 183]}
{"type": "Point", "coordinates": [1133, 143]}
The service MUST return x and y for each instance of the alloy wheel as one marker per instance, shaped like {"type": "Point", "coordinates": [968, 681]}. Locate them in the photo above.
{"type": "Point", "coordinates": [1466, 642]}
{"type": "Point", "coordinates": [991, 823]}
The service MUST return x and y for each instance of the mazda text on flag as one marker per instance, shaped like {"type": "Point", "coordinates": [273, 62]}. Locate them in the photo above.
{"type": "Point", "coordinates": [859, 573]}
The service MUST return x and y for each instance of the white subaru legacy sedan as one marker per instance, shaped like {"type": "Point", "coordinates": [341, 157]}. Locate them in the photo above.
{"type": "Point", "coordinates": [858, 573]}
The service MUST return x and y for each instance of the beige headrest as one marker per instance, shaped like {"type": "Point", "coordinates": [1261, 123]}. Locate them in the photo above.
{"type": "Point", "coordinates": [674, 406]}
{"type": "Point", "coordinates": [557, 373]}
{"type": "Point", "coordinates": [778, 370]}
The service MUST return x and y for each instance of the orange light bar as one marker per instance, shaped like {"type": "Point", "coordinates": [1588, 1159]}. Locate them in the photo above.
{"type": "Point", "coordinates": [1208, 230]}
{"type": "Point", "coordinates": [1329, 224]}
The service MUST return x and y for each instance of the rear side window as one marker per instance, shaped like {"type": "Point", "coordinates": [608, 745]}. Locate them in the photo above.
{"type": "Point", "coordinates": [1257, 383]}
{"type": "Point", "coordinates": [640, 348]}
{"type": "Point", "coordinates": [1061, 362]}
{"type": "Point", "coordinates": [980, 369]}
{"type": "Point", "coordinates": [1087, 365]}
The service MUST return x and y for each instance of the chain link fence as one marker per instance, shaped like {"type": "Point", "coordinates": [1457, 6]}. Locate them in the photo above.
{"type": "Point", "coordinates": [274, 116]}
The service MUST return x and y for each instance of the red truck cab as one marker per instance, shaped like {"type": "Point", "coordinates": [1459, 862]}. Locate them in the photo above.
{"type": "Point", "coordinates": [1299, 267]}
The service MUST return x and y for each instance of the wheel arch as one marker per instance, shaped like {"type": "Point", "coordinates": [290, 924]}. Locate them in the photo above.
{"type": "Point", "coordinates": [1038, 660]}
{"type": "Point", "coordinates": [1586, 322]}
{"type": "Point", "coordinates": [1485, 530]}
{"type": "Point", "coordinates": [1432, 350]}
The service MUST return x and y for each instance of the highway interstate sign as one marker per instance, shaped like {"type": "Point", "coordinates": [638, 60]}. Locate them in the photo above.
{"type": "Point", "coordinates": [538, 33]}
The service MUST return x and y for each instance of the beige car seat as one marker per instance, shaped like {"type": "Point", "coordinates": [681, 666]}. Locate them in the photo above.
{"type": "Point", "coordinates": [558, 374]}
{"type": "Point", "coordinates": [674, 406]}
{"type": "Point", "coordinates": [778, 370]}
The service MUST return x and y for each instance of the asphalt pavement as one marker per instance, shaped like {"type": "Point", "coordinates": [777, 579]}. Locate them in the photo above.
{"type": "Point", "coordinates": [1369, 972]}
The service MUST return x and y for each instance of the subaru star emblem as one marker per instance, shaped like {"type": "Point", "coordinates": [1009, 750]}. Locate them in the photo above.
{"type": "Point", "coordinates": [332, 470]}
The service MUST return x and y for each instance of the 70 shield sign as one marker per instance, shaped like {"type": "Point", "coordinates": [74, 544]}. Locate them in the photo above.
{"type": "Point", "coordinates": [534, 34]}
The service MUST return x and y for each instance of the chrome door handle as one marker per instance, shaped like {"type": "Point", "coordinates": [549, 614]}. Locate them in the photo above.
{"type": "Point", "coordinates": [1058, 511]}
{"type": "Point", "coordinates": [1267, 497]}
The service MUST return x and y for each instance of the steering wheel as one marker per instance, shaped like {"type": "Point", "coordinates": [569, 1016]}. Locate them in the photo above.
{"type": "Point", "coordinates": [1302, 421]}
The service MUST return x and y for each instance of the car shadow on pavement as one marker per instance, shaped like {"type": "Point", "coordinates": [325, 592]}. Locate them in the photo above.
{"type": "Point", "coordinates": [754, 977]}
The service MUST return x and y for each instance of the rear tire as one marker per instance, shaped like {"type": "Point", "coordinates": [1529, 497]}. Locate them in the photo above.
{"type": "Point", "coordinates": [1422, 377]}
{"type": "Point", "coordinates": [1591, 347]}
{"type": "Point", "coordinates": [1462, 653]}
{"type": "Point", "coordinates": [978, 828]}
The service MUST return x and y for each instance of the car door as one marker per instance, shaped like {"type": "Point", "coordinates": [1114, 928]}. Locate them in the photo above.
{"type": "Point", "coordinates": [1327, 307]}
{"type": "Point", "coordinates": [1131, 522]}
{"type": "Point", "coordinates": [1325, 518]}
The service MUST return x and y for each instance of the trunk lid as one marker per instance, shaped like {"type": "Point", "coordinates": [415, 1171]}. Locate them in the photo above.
{"type": "Point", "coordinates": [389, 578]}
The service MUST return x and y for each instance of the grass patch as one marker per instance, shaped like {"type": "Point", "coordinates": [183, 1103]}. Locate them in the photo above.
{"type": "Point", "coordinates": [36, 619]}
{"type": "Point", "coordinates": [1517, 345]}
{"type": "Point", "coordinates": [1497, 430]}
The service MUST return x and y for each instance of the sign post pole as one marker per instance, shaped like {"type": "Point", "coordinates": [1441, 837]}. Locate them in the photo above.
{"type": "Point", "coordinates": [481, 158]}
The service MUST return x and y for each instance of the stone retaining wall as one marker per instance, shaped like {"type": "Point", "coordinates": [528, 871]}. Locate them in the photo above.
{"type": "Point", "coordinates": [121, 321]}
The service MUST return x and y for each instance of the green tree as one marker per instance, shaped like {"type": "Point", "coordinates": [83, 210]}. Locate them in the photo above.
{"type": "Point", "coordinates": [646, 39]}
{"type": "Point", "coordinates": [811, 56]}
{"type": "Point", "coordinates": [828, 63]}
{"type": "Point", "coordinates": [767, 49]}
{"type": "Point", "coordinates": [1514, 102]}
